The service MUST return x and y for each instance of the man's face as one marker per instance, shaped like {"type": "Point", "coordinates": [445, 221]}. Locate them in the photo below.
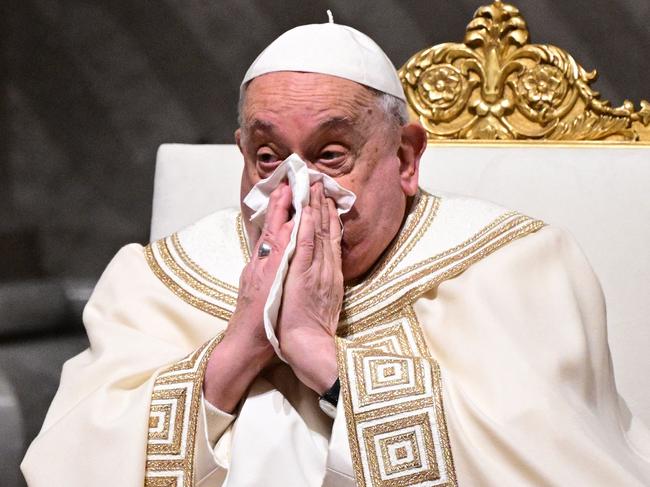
{"type": "Point", "coordinates": [336, 127]}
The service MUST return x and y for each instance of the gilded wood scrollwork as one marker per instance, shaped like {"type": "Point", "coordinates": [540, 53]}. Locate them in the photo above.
{"type": "Point", "coordinates": [497, 86]}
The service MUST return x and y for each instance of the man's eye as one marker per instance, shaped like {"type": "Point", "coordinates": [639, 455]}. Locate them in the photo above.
{"type": "Point", "coordinates": [330, 156]}
{"type": "Point", "coordinates": [267, 156]}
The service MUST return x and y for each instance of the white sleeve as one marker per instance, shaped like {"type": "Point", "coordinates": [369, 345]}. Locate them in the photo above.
{"type": "Point", "coordinates": [217, 421]}
{"type": "Point", "coordinates": [212, 448]}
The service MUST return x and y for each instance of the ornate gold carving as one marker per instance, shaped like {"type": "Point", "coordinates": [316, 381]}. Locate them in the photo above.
{"type": "Point", "coordinates": [495, 85]}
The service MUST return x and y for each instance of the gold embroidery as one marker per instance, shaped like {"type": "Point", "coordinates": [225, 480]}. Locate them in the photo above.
{"type": "Point", "coordinates": [454, 271]}
{"type": "Point", "coordinates": [389, 278]}
{"type": "Point", "coordinates": [172, 264]}
{"type": "Point", "coordinates": [161, 482]}
{"type": "Point", "coordinates": [392, 340]}
{"type": "Point", "coordinates": [176, 402]}
{"type": "Point", "coordinates": [172, 404]}
{"type": "Point", "coordinates": [350, 419]}
{"type": "Point", "coordinates": [419, 216]}
{"type": "Point", "coordinates": [243, 240]}
{"type": "Point", "coordinates": [392, 398]}
{"type": "Point", "coordinates": [376, 388]}
{"type": "Point", "coordinates": [416, 238]}
{"type": "Point", "coordinates": [420, 443]}
{"type": "Point", "coordinates": [188, 279]}
{"type": "Point", "coordinates": [412, 221]}
{"type": "Point", "coordinates": [159, 420]}
{"type": "Point", "coordinates": [187, 260]}
{"type": "Point", "coordinates": [477, 239]}
{"type": "Point", "coordinates": [189, 298]}
{"type": "Point", "coordinates": [355, 296]}
{"type": "Point", "coordinates": [467, 257]}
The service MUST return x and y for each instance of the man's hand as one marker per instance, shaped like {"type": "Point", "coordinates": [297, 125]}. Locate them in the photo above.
{"type": "Point", "coordinates": [244, 350]}
{"type": "Point", "coordinates": [312, 297]}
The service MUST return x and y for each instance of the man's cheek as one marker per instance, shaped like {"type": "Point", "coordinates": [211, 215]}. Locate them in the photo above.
{"type": "Point", "coordinates": [352, 234]}
{"type": "Point", "coordinates": [249, 179]}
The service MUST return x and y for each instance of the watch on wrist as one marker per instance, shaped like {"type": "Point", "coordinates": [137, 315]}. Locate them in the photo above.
{"type": "Point", "coordinates": [330, 399]}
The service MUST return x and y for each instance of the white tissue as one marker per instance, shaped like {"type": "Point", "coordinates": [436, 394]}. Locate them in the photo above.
{"type": "Point", "coordinates": [300, 178]}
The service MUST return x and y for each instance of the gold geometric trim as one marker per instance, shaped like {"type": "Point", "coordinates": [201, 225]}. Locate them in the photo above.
{"type": "Point", "coordinates": [456, 259]}
{"type": "Point", "coordinates": [168, 406]}
{"type": "Point", "coordinates": [470, 243]}
{"type": "Point", "coordinates": [410, 381]}
{"type": "Point", "coordinates": [176, 402]}
{"type": "Point", "coordinates": [186, 296]}
{"type": "Point", "coordinates": [453, 271]}
{"type": "Point", "coordinates": [383, 468]}
{"type": "Point", "coordinates": [187, 278]}
{"type": "Point", "coordinates": [390, 419]}
{"type": "Point", "coordinates": [187, 260]}
{"type": "Point", "coordinates": [497, 86]}
{"type": "Point", "coordinates": [243, 240]}
{"type": "Point", "coordinates": [508, 221]}
{"type": "Point", "coordinates": [420, 218]}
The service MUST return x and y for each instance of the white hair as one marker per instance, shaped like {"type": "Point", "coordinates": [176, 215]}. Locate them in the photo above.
{"type": "Point", "coordinates": [394, 108]}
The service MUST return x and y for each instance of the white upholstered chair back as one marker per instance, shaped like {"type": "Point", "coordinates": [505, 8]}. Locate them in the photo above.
{"type": "Point", "coordinates": [600, 193]}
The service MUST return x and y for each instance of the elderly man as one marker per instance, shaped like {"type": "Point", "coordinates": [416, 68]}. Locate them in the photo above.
{"type": "Point", "coordinates": [468, 342]}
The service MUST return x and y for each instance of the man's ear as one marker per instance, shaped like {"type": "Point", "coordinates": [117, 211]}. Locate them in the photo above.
{"type": "Point", "coordinates": [238, 140]}
{"type": "Point", "coordinates": [412, 145]}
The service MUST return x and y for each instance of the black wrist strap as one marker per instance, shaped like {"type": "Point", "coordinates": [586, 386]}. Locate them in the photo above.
{"type": "Point", "coordinates": [331, 395]}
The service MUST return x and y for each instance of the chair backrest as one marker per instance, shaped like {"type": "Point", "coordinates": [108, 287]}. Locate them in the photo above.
{"type": "Point", "coordinates": [192, 181]}
{"type": "Point", "coordinates": [599, 193]}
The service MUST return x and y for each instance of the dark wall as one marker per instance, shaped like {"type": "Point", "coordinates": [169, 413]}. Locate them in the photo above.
{"type": "Point", "coordinates": [91, 88]}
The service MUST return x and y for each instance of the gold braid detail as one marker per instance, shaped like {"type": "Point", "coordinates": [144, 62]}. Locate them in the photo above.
{"type": "Point", "coordinates": [189, 298]}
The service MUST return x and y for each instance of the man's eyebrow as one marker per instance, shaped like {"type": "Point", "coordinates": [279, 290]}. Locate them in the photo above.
{"type": "Point", "coordinates": [261, 125]}
{"type": "Point", "coordinates": [330, 123]}
{"type": "Point", "coordinates": [337, 122]}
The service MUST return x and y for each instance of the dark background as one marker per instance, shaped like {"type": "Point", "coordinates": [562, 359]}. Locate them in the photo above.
{"type": "Point", "coordinates": [91, 88]}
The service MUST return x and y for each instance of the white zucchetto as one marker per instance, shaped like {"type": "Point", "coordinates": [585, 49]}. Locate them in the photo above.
{"type": "Point", "coordinates": [332, 49]}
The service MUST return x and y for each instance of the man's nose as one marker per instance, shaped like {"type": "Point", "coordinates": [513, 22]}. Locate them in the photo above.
{"type": "Point", "coordinates": [307, 162]}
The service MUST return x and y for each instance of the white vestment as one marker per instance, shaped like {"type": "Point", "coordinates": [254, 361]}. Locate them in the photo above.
{"type": "Point", "coordinates": [475, 354]}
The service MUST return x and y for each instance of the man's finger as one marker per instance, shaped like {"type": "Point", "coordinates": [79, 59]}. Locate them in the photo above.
{"type": "Point", "coordinates": [277, 228]}
{"type": "Point", "coordinates": [325, 214]}
{"type": "Point", "coordinates": [315, 202]}
{"type": "Point", "coordinates": [335, 231]}
{"type": "Point", "coordinates": [304, 255]}
{"type": "Point", "coordinates": [325, 228]}
{"type": "Point", "coordinates": [277, 212]}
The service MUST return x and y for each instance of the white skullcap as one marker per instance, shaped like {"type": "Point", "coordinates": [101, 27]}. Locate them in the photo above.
{"type": "Point", "coordinates": [332, 49]}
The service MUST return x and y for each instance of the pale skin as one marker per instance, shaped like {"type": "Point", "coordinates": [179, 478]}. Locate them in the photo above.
{"type": "Point", "coordinates": [337, 127]}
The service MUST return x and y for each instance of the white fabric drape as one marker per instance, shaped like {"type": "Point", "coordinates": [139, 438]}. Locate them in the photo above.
{"type": "Point", "coordinates": [520, 338]}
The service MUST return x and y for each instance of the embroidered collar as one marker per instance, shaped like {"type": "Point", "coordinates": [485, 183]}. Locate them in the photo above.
{"type": "Point", "coordinates": [440, 238]}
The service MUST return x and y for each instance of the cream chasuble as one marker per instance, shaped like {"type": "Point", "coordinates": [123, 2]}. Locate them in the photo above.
{"type": "Point", "coordinates": [475, 354]}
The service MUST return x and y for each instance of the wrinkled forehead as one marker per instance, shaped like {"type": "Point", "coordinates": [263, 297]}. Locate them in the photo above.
{"type": "Point", "coordinates": [287, 94]}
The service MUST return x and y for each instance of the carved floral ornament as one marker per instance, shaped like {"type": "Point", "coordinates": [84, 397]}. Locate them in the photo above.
{"type": "Point", "coordinates": [495, 85]}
